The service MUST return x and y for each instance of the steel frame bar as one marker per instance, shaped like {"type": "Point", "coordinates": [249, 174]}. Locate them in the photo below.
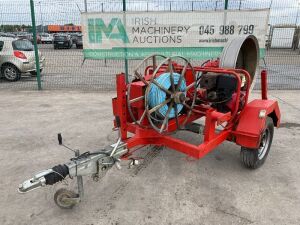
{"type": "Point", "coordinates": [144, 136]}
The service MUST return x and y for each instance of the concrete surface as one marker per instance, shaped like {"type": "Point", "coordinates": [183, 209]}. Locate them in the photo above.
{"type": "Point", "coordinates": [167, 189]}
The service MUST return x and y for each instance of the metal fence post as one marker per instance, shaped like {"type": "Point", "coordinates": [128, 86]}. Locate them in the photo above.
{"type": "Point", "coordinates": [42, 20]}
{"type": "Point", "coordinates": [85, 5]}
{"type": "Point", "coordinates": [102, 10]}
{"type": "Point", "coordinates": [126, 60]}
{"type": "Point", "coordinates": [226, 4]}
{"type": "Point", "coordinates": [36, 52]}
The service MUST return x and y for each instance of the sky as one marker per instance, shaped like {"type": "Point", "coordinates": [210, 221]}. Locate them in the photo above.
{"type": "Point", "coordinates": [65, 11]}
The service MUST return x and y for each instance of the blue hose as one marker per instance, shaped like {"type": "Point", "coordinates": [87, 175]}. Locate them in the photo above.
{"type": "Point", "coordinates": [157, 96]}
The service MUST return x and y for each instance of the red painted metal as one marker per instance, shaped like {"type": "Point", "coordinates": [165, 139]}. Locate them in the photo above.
{"type": "Point", "coordinates": [264, 85]}
{"type": "Point", "coordinates": [151, 137]}
{"type": "Point", "coordinates": [250, 125]}
{"type": "Point", "coordinates": [242, 125]}
{"type": "Point", "coordinates": [212, 63]}
{"type": "Point", "coordinates": [121, 105]}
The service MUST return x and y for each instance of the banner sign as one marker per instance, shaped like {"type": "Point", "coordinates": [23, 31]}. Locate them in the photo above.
{"type": "Point", "coordinates": [193, 34]}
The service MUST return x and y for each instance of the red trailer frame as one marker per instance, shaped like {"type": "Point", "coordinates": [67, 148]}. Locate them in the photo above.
{"type": "Point", "coordinates": [243, 127]}
{"type": "Point", "coordinates": [143, 107]}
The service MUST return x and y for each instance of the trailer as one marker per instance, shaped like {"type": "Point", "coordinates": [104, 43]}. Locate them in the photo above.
{"type": "Point", "coordinates": [167, 94]}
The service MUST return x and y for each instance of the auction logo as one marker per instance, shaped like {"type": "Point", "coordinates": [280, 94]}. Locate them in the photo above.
{"type": "Point", "coordinates": [97, 27]}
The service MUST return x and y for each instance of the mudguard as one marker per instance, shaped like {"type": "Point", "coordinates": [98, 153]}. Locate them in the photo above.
{"type": "Point", "coordinates": [252, 122]}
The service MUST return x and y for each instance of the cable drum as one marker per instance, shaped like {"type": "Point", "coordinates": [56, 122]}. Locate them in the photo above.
{"type": "Point", "coordinates": [166, 95]}
{"type": "Point", "coordinates": [157, 96]}
{"type": "Point", "coordinates": [242, 53]}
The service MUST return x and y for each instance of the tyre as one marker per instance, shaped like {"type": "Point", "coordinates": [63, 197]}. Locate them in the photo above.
{"type": "Point", "coordinates": [62, 198]}
{"type": "Point", "coordinates": [254, 158]}
{"type": "Point", "coordinates": [10, 72]}
{"type": "Point", "coordinates": [34, 73]}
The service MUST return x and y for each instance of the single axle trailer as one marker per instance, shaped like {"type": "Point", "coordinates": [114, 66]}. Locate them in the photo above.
{"type": "Point", "coordinates": [167, 94]}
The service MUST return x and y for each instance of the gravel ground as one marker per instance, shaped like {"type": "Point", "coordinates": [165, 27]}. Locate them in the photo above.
{"type": "Point", "coordinates": [166, 188]}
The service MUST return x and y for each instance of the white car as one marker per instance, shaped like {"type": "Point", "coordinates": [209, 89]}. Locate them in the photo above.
{"type": "Point", "coordinates": [46, 38]}
{"type": "Point", "coordinates": [17, 57]}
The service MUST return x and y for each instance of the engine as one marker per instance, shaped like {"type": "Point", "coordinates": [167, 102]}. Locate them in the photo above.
{"type": "Point", "coordinates": [219, 90]}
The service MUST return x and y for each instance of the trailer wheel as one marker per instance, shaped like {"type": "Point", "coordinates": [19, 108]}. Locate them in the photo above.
{"type": "Point", "coordinates": [63, 198]}
{"type": "Point", "coordinates": [254, 158]}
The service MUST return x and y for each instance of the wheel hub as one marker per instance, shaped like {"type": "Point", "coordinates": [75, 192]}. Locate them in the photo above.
{"type": "Point", "coordinates": [10, 73]}
{"type": "Point", "coordinates": [264, 144]}
{"type": "Point", "coordinates": [179, 97]}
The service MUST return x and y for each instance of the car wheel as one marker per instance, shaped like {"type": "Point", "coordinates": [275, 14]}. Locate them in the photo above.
{"type": "Point", "coordinates": [34, 73]}
{"type": "Point", "coordinates": [11, 72]}
{"type": "Point", "coordinates": [254, 158]}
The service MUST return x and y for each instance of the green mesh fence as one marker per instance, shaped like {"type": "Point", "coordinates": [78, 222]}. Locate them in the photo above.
{"type": "Point", "coordinates": [66, 68]}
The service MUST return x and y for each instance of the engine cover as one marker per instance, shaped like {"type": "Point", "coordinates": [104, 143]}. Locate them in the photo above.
{"type": "Point", "coordinates": [226, 85]}
{"type": "Point", "coordinates": [219, 89]}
